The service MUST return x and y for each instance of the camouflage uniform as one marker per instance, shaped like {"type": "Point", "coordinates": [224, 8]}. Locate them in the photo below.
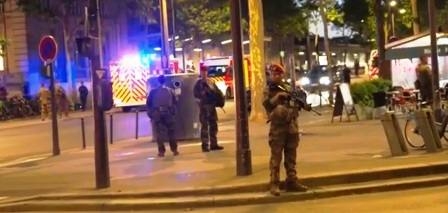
{"type": "Point", "coordinates": [44, 100]}
{"type": "Point", "coordinates": [207, 115]}
{"type": "Point", "coordinates": [161, 109]}
{"type": "Point", "coordinates": [283, 137]}
{"type": "Point", "coordinates": [62, 102]}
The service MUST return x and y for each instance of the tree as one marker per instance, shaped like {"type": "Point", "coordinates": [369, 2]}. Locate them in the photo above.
{"type": "Point", "coordinates": [285, 20]}
{"type": "Point", "coordinates": [258, 76]}
{"type": "Point", "coordinates": [202, 18]}
{"type": "Point", "coordinates": [55, 12]}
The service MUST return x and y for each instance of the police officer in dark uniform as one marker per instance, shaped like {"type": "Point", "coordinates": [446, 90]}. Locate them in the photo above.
{"type": "Point", "coordinates": [161, 109]}
{"type": "Point", "coordinates": [203, 91]}
{"type": "Point", "coordinates": [283, 133]}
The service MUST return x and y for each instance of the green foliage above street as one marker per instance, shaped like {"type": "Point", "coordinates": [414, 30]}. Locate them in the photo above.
{"type": "Point", "coordinates": [284, 17]}
{"type": "Point", "coordinates": [202, 18]}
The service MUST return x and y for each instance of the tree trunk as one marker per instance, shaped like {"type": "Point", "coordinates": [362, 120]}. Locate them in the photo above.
{"type": "Point", "coordinates": [383, 73]}
{"type": "Point", "coordinates": [323, 14]}
{"type": "Point", "coordinates": [258, 76]}
{"type": "Point", "coordinates": [415, 18]}
{"type": "Point", "coordinates": [68, 64]}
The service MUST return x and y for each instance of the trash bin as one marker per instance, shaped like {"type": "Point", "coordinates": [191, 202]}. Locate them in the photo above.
{"type": "Point", "coordinates": [187, 116]}
{"type": "Point", "coordinates": [379, 99]}
{"type": "Point", "coordinates": [379, 104]}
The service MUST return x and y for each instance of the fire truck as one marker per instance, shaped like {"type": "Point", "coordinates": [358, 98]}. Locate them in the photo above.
{"type": "Point", "coordinates": [129, 77]}
{"type": "Point", "coordinates": [221, 72]}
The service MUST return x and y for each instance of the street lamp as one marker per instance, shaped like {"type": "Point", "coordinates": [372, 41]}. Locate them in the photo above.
{"type": "Point", "coordinates": [393, 3]}
{"type": "Point", "coordinates": [402, 11]}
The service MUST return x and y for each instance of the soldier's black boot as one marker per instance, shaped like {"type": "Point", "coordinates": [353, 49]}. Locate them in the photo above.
{"type": "Point", "coordinates": [216, 147]}
{"type": "Point", "coordinates": [205, 148]}
{"type": "Point", "coordinates": [274, 189]}
{"type": "Point", "coordinates": [293, 185]}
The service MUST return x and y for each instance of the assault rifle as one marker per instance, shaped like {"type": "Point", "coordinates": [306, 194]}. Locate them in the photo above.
{"type": "Point", "coordinates": [298, 97]}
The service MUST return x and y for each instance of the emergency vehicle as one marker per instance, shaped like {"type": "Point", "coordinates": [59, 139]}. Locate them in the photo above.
{"type": "Point", "coordinates": [129, 77]}
{"type": "Point", "coordinates": [221, 72]}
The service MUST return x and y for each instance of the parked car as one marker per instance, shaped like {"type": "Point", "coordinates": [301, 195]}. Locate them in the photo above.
{"type": "Point", "coordinates": [319, 77]}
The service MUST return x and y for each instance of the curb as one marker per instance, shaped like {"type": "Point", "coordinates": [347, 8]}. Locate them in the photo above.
{"type": "Point", "coordinates": [222, 201]}
{"type": "Point", "coordinates": [321, 180]}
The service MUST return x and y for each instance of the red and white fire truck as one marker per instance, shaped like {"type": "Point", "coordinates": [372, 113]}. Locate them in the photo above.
{"type": "Point", "coordinates": [221, 72]}
{"type": "Point", "coordinates": [129, 78]}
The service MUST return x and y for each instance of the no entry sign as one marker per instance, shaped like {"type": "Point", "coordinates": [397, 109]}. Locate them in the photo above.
{"type": "Point", "coordinates": [48, 49]}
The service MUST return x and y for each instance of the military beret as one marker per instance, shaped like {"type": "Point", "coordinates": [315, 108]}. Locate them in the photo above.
{"type": "Point", "coordinates": [277, 69]}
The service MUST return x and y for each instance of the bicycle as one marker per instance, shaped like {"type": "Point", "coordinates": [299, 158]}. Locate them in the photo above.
{"type": "Point", "coordinates": [411, 132]}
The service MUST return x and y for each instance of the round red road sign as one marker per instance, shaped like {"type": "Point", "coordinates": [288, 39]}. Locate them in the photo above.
{"type": "Point", "coordinates": [48, 49]}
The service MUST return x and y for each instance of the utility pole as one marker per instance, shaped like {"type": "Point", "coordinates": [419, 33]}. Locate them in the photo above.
{"type": "Point", "coordinates": [243, 153]}
{"type": "Point", "coordinates": [173, 25]}
{"type": "Point", "coordinates": [102, 172]}
{"type": "Point", "coordinates": [434, 58]}
{"type": "Point", "coordinates": [164, 35]}
{"type": "Point", "coordinates": [415, 18]}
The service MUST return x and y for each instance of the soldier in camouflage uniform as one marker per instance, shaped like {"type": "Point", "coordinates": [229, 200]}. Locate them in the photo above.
{"type": "Point", "coordinates": [283, 133]}
{"type": "Point", "coordinates": [161, 110]}
{"type": "Point", "coordinates": [207, 112]}
{"type": "Point", "coordinates": [44, 101]}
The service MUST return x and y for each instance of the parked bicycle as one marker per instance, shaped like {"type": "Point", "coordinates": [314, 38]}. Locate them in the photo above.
{"type": "Point", "coordinates": [411, 130]}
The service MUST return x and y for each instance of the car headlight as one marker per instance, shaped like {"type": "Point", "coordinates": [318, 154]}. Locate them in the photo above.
{"type": "Point", "coordinates": [304, 81]}
{"type": "Point", "coordinates": [325, 80]}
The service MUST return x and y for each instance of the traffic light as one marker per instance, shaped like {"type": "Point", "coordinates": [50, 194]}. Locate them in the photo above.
{"type": "Point", "coordinates": [85, 46]}
{"type": "Point", "coordinates": [45, 71]}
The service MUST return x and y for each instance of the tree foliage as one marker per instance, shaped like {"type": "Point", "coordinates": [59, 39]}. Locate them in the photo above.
{"type": "Point", "coordinates": [284, 18]}
{"type": "Point", "coordinates": [202, 18]}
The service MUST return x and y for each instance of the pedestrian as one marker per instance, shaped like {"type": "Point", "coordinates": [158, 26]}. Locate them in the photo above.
{"type": "Point", "coordinates": [204, 90]}
{"type": "Point", "coordinates": [161, 104]}
{"type": "Point", "coordinates": [424, 80]}
{"type": "Point", "coordinates": [283, 132]}
{"type": "Point", "coordinates": [44, 101]}
{"type": "Point", "coordinates": [83, 92]}
{"type": "Point", "coordinates": [62, 102]}
{"type": "Point", "coordinates": [346, 75]}
{"type": "Point", "coordinates": [356, 67]}
{"type": "Point", "coordinates": [3, 94]}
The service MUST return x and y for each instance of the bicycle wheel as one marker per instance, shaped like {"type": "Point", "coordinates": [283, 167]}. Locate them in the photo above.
{"type": "Point", "coordinates": [411, 135]}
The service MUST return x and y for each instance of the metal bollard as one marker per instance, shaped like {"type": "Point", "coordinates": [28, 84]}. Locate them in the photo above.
{"type": "Point", "coordinates": [136, 124]}
{"type": "Point", "coordinates": [428, 130]}
{"type": "Point", "coordinates": [83, 133]}
{"type": "Point", "coordinates": [394, 135]}
{"type": "Point", "coordinates": [111, 127]}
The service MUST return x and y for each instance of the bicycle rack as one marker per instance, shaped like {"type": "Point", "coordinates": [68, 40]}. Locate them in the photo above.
{"type": "Point", "coordinates": [428, 130]}
{"type": "Point", "coordinates": [394, 135]}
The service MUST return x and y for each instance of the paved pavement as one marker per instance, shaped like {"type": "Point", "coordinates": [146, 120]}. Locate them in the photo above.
{"type": "Point", "coordinates": [325, 149]}
{"type": "Point", "coordinates": [22, 138]}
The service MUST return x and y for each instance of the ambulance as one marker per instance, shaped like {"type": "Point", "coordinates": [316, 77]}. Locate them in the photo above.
{"type": "Point", "coordinates": [129, 77]}
{"type": "Point", "coordinates": [221, 72]}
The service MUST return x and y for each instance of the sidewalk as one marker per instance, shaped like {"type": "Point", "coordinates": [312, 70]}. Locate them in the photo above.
{"type": "Point", "coordinates": [325, 149]}
{"type": "Point", "coordinates": [24, 122]}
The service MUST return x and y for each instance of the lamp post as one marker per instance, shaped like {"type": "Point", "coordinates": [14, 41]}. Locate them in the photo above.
{"type": "Point", "coordinates": [434, 58]}
{"type": "Point", "coordinates": [392, 5]}
{"type": "Point", "coordinates": [173, 25]}
{"type": "Point", "coordinates": [164, 34]}
{"type": "Point", "coordinates": [243, 153]}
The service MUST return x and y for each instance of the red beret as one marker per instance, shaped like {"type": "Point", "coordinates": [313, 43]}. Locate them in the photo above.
{"type": "Point", "coordinates": [277, 69]}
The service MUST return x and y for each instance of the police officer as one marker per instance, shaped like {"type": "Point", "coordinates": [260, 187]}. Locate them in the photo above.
{"type": "Point", "coordinates": [283, 133]}
{"type": "Point", "coordinates": [161, 109]}
{"type": "Point", "coordinates": [203, 91]}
